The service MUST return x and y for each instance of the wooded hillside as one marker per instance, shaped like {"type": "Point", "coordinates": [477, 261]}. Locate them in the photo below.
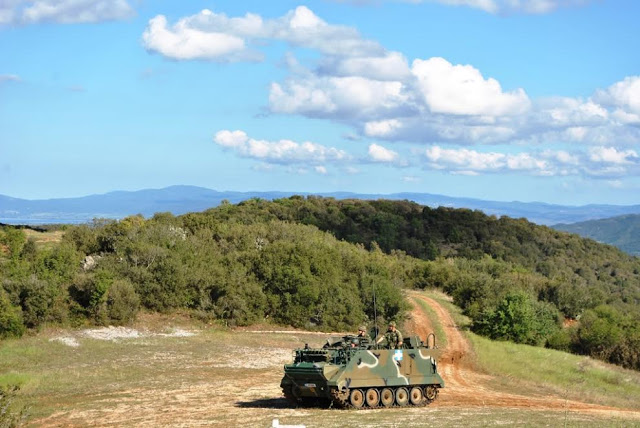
{"type": "Point", "coordinates": [288, 261]}
{"type": "Point", "coordinates": [621, 231]}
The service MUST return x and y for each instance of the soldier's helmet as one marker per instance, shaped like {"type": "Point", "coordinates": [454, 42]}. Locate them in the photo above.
{"type": "Point", "coordinates": [362, 328]}
{"type": "Point", "coordinates": [392, 324]}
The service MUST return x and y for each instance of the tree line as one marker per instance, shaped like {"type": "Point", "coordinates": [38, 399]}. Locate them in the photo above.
{"type": "Point", "coordinates": [241, 274]}
{"type": "Point", "coordinates": [314, 263]}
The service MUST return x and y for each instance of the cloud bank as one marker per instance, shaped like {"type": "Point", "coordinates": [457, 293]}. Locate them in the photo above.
{"type": "Point", "coordinates": [444, 109]}
{"type": "Point", "coordinates": [596, 162]}
{"type": "Point", "coordinates": [601, 162]}
{"type": "Point", "coordinates": [381, 94]}
{"type": "Point", "coordinates": [216, 37]}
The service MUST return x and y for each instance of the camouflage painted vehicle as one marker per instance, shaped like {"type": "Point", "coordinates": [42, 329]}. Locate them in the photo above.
{"type": "Point", "coordinates": [352, 373]}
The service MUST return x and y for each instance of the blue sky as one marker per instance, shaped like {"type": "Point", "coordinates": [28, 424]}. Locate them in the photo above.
{"type": "Point", "coordinates": [530, 100]}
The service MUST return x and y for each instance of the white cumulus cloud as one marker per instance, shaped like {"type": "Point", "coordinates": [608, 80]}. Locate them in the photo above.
{"type": "Point", "coordinates": [442, 102]}
{"type": "Point", "coordinates": [281, 151]}
{"type": "Point", "coordinates": [461, 90]}
{"type": "Point", "coordinates": [374, 91]}
{"type": "Point", "coordinates": [612, 155]}
{"type": "Point", "coordinates": [333, 97]}
{"type": "Point", "coordinates": [388, 66]}
{"type": "Point", "coordinates": [184, 40]}
{"type": "Point", "coordinates": [378, 153]}
{"type": "Point", "coordinates": [63, 11]}
{"type": "Point", "coordinates": [211, 36]}
{"type": "Point", "coordinates": [464, 159]}
{"type": "Point", "coordinates": [624, 98]}
{"type": "Point", "coordinates": [231, 139]}
{"type": "Point", "coordinates": [381, 128]}
{"type": "Point", "coordinates": [603, 162]}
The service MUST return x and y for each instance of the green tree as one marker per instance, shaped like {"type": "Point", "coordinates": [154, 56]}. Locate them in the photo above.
{"type": "Point", "coordinates": [10, 318]}
{"type": "Point", "coordinates": [600, 332]}
{"type": "Point", "coordinates": [518, 318]}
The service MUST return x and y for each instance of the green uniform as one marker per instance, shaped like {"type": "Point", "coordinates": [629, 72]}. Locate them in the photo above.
{"type": "Point", "coordinates": [365, 336]}
{"type": "Point", "coordinates": [394, 339]}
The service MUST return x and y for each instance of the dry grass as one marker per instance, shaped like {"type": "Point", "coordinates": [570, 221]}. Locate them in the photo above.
{"type": "Point", "coordinates": [44, 239]}
{"type": "Point", "coordinates": [217, 377]}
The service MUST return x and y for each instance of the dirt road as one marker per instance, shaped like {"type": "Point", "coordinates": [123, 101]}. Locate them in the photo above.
{"type": "Point", "coordinates": [467, 387]}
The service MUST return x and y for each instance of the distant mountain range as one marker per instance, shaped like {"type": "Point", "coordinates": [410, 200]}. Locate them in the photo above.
{"type": "Point", "coordinates": [183, 199]}
{"type": "Point", "coordinates": [622, 231]}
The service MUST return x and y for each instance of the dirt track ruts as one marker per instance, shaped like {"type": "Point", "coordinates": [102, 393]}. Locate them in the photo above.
{"type": "Point", "coordinates": [466, 387]}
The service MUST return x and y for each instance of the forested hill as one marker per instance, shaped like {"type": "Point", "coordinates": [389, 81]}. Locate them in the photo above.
{"type": "Point", "coordinates": [622, 231]}
{"type": "Point", "coordinates": [512, 277]}
{"type": "Point", "coordinates": [280, 260]}
{"type": "Point", "coordinates": [429, 233]}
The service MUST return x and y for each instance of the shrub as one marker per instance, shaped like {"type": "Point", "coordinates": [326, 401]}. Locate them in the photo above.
{"type": "Point", "coordinates": [122, 302]}
{"type": "Point", "coordinates": [12, 413]}
{"type": "Point", "coordinates": [14, 239]}
{"type": "Point", "coordinates": [89, 292]}
{"type": "Point", "coordinates": [519, 318]}
{"type": "Point", "coordinates": [83, 237]}
{"type": "Point", "coordinates": [560, 340]}
{"type": "Point", "coordinates": [10, 318]}
{"type": "Point", "coordinates": [41, 302]}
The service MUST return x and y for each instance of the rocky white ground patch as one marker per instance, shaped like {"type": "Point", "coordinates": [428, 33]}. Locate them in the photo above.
{"type": "Point", "coordinates": [66, 340]}
{"type": "Point", "coordinates": [115, 334]}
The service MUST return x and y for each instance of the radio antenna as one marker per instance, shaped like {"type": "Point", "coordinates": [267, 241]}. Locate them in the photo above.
{"type": "Point", "coordinates": [375, 313]}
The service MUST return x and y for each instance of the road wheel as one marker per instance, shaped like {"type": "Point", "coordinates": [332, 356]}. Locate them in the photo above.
{"type": "Point", "coordinates": [402, 396]}
{"type": "Point", "coordinates": [357, 398]}
{"type": "Point", "coordinates": [386, 397]}
{"type": "Point", "coordinates": [431, 392]}
{"type": "Point", "coordinates": [415, 396]}
{"type": "Point", "coordinates": [372, 397]}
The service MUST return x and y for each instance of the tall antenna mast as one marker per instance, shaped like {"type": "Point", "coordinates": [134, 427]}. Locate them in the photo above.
{"type": "Point", "coordinates": [375, 313]}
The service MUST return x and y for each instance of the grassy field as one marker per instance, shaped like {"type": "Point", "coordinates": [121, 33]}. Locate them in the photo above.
{"type": "Point", "coordinates": [44, 239]}
{"type": "Point", "coordinates": [527, 368]}
{"type": "Point", "coordinates": [175, 371]}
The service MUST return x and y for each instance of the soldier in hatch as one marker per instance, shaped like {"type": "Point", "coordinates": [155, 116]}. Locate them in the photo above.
{"type": "Point", "coordinates": [362, 334]}
{"type": "Point", "coordinates": [362, 339]}
{"type": "Point", "coordinates": [393, 337]}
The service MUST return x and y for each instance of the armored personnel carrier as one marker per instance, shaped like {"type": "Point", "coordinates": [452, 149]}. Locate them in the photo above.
{"type": "Point", "coordinates": [350, 372]}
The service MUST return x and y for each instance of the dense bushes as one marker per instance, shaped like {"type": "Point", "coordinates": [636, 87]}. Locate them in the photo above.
{"type": "Point", "coordinates": [290, 273]}
{"type": "Point", "coordinates": [106, 300]}
{"type": "Point", "coordinates": [579, 266]}
{"type": "Point", "coordinates": [503, 301]}
{"type": "Point", "coordinates": [11, 324]}
{"type": "Point", "coordinates": [262, 260]}
{"type": "Point", "coordinates": [519, 318]}
{"type": "Point", "coordinates": [607, 334]}
{"type": "Point", "coordinates": [479, 260]}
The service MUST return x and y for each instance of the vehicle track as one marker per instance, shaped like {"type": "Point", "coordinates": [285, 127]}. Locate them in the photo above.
{"type": "Point", "coordinates": [465, 386]}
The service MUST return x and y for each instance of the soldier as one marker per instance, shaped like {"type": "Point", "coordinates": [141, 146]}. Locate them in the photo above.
{"type": "Point", "coordinates": [393, 337]}
{"type": "Point", "coordinates": [362, 334]}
